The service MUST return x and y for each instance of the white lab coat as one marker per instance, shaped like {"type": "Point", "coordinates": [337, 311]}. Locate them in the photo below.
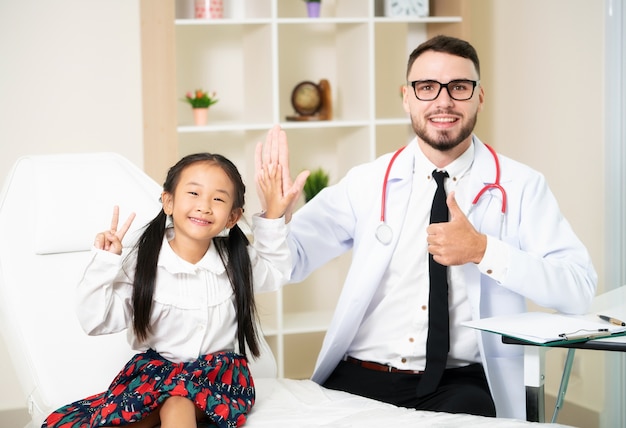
{"type": "Point", "coordinates": [549, 264]}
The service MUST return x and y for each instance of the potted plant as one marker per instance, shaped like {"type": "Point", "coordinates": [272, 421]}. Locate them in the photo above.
{"type": "Point", "coordinates": [315, 182]}
{"type": "Point", "coordinates": [313, 8]}
{"type": "Point", "coordinates": [200, 102]}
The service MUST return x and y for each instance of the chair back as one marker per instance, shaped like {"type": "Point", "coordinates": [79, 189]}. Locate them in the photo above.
{"type": "Point", "coordinates": [51, 208]}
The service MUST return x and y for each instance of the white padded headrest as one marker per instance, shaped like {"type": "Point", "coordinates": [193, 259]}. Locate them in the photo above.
{"type": "Point", "coordinates": [72, 206]}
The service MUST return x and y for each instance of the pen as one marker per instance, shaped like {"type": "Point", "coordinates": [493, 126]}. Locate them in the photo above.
{"type": "Point", "coordinates": [587, 335]}
{"type": "Point", "coordinates": [612, 320]}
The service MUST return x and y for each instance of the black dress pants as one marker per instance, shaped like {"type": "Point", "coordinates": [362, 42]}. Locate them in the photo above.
{"type": "Point", "coordinates": [461, 390]}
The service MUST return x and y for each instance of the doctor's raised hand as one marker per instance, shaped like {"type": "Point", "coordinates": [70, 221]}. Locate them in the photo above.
{"type": "Point", "coordinates": [275, 153]}
{"type": "Point", "coordinates": [111, 240]}
{"type": "Point", "coordinates": [456, 241]}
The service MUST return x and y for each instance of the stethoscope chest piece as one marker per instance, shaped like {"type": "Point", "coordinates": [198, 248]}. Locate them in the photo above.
{"type": "Point", "coordinates": [384, 234]}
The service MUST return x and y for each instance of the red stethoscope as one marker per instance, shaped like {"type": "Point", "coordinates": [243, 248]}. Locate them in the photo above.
{"type": "Point", "coordinates": [384, 234]}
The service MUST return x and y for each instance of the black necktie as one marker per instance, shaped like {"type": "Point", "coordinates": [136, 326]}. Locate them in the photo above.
{"type": "Point", "coordinates": [438, 340]}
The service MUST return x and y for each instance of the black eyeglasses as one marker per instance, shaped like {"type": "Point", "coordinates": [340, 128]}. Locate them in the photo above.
{"type": "Point", "coordinates": [459, 90]}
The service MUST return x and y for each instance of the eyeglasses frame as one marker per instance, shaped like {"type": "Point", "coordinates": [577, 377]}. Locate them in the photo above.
{"type": "Point", "coordinates": [445, 85]}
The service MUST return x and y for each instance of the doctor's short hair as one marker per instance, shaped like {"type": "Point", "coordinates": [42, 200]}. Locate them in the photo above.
{"type": "Point", "coordinates": [446, 44]}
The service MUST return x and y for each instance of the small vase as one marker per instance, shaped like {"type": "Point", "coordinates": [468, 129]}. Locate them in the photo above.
{"type": "Point", "coordinates": [313, 9]}
{"type": "Point", "coordinates": [200, 116]}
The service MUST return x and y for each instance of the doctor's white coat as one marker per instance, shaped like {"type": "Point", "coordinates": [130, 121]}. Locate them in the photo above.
{"type": "Point", "coordinates": [548, 263]}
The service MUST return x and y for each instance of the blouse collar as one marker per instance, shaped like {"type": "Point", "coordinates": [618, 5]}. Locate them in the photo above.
{"type": "Point", "coordinates": [173, 263]}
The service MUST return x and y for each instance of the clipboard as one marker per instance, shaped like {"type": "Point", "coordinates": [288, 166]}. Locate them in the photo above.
{"type": "Point", "coordinates": [548, 329]}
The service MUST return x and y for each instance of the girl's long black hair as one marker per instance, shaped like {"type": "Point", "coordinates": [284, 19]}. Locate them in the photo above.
{"type": "Point", "coordinates": [232, 250]}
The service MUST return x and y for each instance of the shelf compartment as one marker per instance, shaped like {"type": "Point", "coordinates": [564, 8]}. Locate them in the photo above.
{"type": "Point", "coordinates": [231, 60]}
{"type": "Point", "coordinates": [332, 51]}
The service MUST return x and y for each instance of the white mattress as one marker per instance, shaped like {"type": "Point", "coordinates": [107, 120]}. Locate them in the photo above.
{"type": "Point", "coordinates": [304, 404]}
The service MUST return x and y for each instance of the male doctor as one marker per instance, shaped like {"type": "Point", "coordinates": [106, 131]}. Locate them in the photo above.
{"type": "Point", "coordinates": [377, 343]}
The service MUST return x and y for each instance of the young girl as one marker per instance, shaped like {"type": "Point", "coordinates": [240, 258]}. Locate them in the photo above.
{"type": "Point", "coordinates": [185, 294]}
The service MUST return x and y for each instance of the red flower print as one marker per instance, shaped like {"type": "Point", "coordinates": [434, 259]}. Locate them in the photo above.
{"type": "Point", "coordinates": [242, 380]}
{"type": "Point", "coordinates": [127, 416]}
{"type": "Point", "coordinates": [143, 388]}
{"type": "Point", "coordinates": [201, 398]}
{"type": "Point", "coordinates": [180, 390]}
{"type": "Point", "coordinates": [54, 418]}
{"type": "Point", "coordinates": [118, 389]}
{"type": "Point", "coordinates": [108, 409]}
{"type": "Point", "coordinates": [228, 377]}
{"type": "Point", "coordinates": [241, 419]}
{"type": "Point", "coordinates": [222, 410]}
{"type": "Point", "coordinates": [212, 375]}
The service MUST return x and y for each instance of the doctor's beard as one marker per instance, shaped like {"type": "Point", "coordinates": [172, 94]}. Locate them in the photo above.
{"type": "Point", "coordinates": [444, 140]}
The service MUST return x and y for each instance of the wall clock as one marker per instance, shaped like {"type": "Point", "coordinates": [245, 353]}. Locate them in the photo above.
{"type": "Point", "coordinates": [398, 8]}
{"type": "Point", "coordinates": [311, 101]}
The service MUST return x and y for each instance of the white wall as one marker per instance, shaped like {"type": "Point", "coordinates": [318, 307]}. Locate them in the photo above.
{"type": "Point", "coordinates": [70, 81]}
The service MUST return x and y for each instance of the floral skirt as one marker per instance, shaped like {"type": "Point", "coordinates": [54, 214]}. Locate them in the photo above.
{"type": "Point", "coordinates": [219, 384]}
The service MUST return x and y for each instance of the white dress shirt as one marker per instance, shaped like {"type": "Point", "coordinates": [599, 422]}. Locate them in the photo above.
{"type": "Point", "coordinates": [193, 310]}
{"type": "Point", "coordinates": [395, 327]}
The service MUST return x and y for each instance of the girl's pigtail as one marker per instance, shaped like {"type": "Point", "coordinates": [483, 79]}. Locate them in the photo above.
{"type": "Point", "coordinates": [234, 253]}
{"type": "Point", "coordinates": [148, 249]}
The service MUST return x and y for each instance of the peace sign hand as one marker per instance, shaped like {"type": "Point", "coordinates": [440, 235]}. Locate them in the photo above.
{"type": "Point", "coordinates": [111, 240]}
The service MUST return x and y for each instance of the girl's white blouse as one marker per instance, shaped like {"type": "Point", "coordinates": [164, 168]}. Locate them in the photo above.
{"type": "Point", "coordinates": [193, 311]}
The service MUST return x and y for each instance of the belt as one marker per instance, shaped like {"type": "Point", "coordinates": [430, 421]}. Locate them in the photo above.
{"type": "Point", "coordinates": [380, 367]}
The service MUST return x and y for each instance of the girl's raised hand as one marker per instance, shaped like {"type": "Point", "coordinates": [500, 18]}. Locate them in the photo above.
{"type": "Point", "coordinates": [270, 183]}
{"type": "Point", "coordinates": [275, 151]}
{"type": "Point", "coordinates": [111, 240]}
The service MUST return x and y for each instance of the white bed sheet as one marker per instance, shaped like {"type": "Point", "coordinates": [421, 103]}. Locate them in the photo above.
{"type": "Point", "coordinates": [304, 404]}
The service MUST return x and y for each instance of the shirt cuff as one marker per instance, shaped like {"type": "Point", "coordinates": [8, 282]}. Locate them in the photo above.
{"type": "Point", "coordinates": [495, 262]}
{"type": "Point", "coordinates": [262, 224]}
{"type": "Point", "coordinates": [106, 256]}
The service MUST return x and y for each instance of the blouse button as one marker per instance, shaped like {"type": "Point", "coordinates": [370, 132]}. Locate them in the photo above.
{"type": "Point", "coordinates": [489, 271]}
{"type": "Point", "coordinates": [424, 307]}
{"type": "Point", "coordinates": [403, 360]}
{"type": "Point", "coordinates": [411, 340]}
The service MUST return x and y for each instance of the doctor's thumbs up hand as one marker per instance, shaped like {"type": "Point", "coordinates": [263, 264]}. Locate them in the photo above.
{"type": "Point", "coordinates": [455, 242]}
